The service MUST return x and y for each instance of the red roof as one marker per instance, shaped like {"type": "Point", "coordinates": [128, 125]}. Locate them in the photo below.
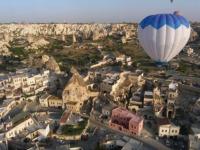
{"type": "Point", "coordinates": [163, 121]}
{"type": "Point", "coordinates": [64, 117]}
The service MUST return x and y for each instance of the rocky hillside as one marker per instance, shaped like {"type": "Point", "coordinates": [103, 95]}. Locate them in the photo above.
{"type": "Point", "coordinates": [79, 45]}
{"type": "Point", "coordinates": [31, 32]}
{"type": "Point", "coordinates": [34, 37]}
{"type": "Point", "coordinates": [86, 31]}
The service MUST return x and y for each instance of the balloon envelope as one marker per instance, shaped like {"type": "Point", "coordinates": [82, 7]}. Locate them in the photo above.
{"type": "Point", "coordinates": [163, 36]}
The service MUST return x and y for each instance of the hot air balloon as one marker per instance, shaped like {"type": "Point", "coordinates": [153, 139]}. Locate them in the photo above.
{"type": "Point", "coordinates": [163, 36]}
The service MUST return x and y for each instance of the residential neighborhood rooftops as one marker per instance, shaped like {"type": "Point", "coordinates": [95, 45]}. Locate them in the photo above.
{"type": "Point", "coordinates": [21, 116]}
{"type": "Point", "coordinates": [45, 96]}
{"type": "Point", "coordinates": [6, 102]}
{"type": "Point", "coordinates": [54, 98]}
{"type": "Point", "coordinates": [3, 77]}
{"type": "Point", "coordinates": [71, 103]}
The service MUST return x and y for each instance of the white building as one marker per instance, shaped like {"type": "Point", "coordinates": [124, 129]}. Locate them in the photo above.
{"type": "Point", "coordinates": [44, 100]}
{"type": "Point", "coordinates": [21, 127]}
{"type": "Point", "coordinates": [48, 100]}
{"type": "Point", "coordinates": [148, 98]}
{"type": "Point", "coordinates": [31, 80]}
{"type": "Point", "coordinates": [3, 81]}
{"type": "Point", "coordinates": [165, 128]}
{"type": "Point", "coordinates": [17, 80]}
{"type": "Point", "coordinates": [7, 106]}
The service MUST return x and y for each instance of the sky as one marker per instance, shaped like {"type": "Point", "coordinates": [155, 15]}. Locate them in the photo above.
{"type": "Point", "coordinates": [88, 11]}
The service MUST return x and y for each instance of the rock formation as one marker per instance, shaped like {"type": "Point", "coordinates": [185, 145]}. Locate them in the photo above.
{"type": "Point", "coordinates": [87, 31]}
{"type": "Point", "coordinates": [51, 63]}
{"type": "Point", "coordinates": [126, 80]}
{"type": "Point", "coordinates": [38, 44]}
{"type": "Point", "coordinates": [76, 90]}
{"type": "Point", "coordinates": [4, 50]}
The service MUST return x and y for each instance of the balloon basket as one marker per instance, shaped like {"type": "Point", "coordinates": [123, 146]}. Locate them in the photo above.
{"type": "Point", "coordinates": [161, 64]}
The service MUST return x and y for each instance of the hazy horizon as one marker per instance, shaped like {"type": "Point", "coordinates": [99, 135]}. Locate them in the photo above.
{"type": "Point", "coordinates": [92, 11]}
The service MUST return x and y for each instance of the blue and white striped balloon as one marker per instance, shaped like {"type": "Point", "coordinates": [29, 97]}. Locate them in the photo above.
{"type": "Point", "coordinates": [163, 36]}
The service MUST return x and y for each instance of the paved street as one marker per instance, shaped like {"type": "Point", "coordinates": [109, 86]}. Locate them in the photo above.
{"type": "Point", "coordinates": [91, 143]}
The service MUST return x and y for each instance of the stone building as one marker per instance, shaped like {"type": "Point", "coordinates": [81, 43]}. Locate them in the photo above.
{"type": "Point", "coordinates": [166, 128]}
{"type": "Point", "coordinates": [73, 106]}
{"type": "Point", "coordinates": [76, 91]}
{"type": "Point", "coordinates": [27, 123]}
{"type": "Point", "coordinates": [54, 101]}
{"type": "Point", "coordinates": [47, 100]}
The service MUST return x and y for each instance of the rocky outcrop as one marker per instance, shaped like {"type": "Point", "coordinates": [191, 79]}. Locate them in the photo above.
{"type": "Point", "coordinates": [37, 36]}
{"type": "Point", "coordinates": [4, 50]}
{"type": "Point", "coordinates": [86, 31]}
{"type": "Point", "coordinates": [51, 63]}
{"type": "Point", "coordinates": [46, 61]}
{"type": "Point", "coordinates": [38, 44]}
{"type": "Point", "coordinates": [126, 80]}
{"type": "Point", "coordinates": [76, 90]}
